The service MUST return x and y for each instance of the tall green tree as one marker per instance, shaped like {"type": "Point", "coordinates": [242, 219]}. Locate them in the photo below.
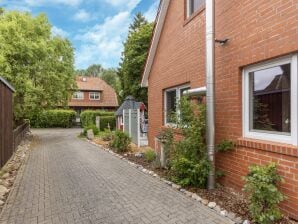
{"type": "Point", "coordinates": [110, 76]}
{"type": "Point", "coordinates": [133, 59]}
{"type": "Point", "coordinates": [92, 71]}
{"type": "Point", "coordinates": [39, 65]}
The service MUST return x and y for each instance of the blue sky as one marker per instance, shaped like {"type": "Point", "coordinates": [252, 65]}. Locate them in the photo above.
{"type": "Point", "coordinates": [96, 28]}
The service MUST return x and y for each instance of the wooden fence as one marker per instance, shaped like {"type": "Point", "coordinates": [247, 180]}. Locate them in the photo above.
{"type": "Point", "coordinates": [6, 122]}
{"type": "Point", "coordinates": [19, 134]}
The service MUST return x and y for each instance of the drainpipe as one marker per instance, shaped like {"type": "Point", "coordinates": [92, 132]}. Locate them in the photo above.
{"type": "Point", "coordinates": [210, 124]}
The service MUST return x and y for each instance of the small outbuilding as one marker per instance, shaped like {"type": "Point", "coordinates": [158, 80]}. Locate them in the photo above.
{"type": "Point", "coordinates": [131, 118]}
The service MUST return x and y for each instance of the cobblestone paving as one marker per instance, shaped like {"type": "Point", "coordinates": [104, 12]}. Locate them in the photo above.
{"type": "Point", "coordinates": [68, 180]}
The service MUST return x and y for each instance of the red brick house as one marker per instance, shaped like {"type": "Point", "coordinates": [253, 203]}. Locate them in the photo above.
{"type": "Point", "coordinates": [256, 100]}
{"type": "Point", "coordinates": [93, 93]}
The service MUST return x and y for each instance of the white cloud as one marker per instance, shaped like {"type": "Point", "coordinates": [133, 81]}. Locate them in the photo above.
{"type": "Point", "coordinates": [59, 32]}
{"type": "Point", "coordinates": [124, 4]}
{"type": "Point", "coordinates": [150, 14]}
{"type": "Point", "coordinates": [82, 16]}
{"type": "Point", "coordinates": [52, 2]}
{"type": "Point", "coordinates": [103, 43]}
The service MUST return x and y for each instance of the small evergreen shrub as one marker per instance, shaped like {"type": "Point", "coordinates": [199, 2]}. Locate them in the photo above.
{"type": "Point", "coordinates": [53, 119]}
{"type": "Point", "coordinates": [150, 155]}
{"type": "Point", "coordinates": [93, 127]}
{"type": "Point", "coordinates": [107, 135]}
{"type": "Point", "coordinates": [186, 172]}
{"type": "Point", "coordinates": [224, 146]}
{"type": "Point", "coordinates": [120, 142]}
{"type": "Point", "coordinates": [264, 196]}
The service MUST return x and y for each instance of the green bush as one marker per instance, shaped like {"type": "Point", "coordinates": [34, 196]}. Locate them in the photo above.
{"type": "Point", "coordinates": [224, 146]}
{"type": "Point", "coordinates": [264, 196]}
{"type": "Point", "coordinates": [120, 142]}
{"type": "Point", "coordinates": [93, 127]}
{"type": "Point", "coordinates": [186, 172]}
{"type": "Point", "coordinates": [107, 135]}
{"type": "Point", "coordinates": [106, 122]}
{"type": "Point", "coordinates": [53, 119]}
{"type": "Point", "coordinates": [150, 155]}
{"type": "Point", "coordinates": [88, 117]}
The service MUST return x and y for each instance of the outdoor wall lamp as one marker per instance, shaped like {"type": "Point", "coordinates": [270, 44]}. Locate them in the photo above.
{"type": "Point", "coordinates": [222, 42]}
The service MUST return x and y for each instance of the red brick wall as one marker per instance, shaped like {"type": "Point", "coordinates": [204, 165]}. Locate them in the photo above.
{"type": "Point", "coordinates": [258, 30]}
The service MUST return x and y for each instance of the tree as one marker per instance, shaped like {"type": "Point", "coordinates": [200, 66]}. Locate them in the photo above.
{"type": "Point", "coordinates": [133, 59]}
{"type": "Point", "coordinates": [92, 71]}
{"type": "Point", "coordinates": [110, 77]}
{"type": "Point", "coordinates": [38, 64]}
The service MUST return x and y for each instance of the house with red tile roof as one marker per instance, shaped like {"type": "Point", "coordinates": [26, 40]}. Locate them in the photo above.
{"type": "Point", "coordinates": [93, 93]}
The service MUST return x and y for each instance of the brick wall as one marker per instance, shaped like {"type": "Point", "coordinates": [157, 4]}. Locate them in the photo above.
{"type": "Point", "coordinates": [258, 30]}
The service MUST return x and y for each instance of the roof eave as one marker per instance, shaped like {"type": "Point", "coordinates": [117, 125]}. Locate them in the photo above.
{"type": "Point", "coordinates": [7, 84]}
{"type": "Point", "coordinates": [156, 36]}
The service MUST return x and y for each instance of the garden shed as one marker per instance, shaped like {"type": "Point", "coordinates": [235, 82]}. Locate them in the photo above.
{"type": "Point", "coordinates": [131, 118]}
{"type": "Point", "coordinates": [6, 121]}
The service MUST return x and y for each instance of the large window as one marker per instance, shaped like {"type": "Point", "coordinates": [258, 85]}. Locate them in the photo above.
{"type": "Point", "coordinates": [171, 98]}
{"type": "Point", "coordinates": [94, 96]}
{"type": "Point", "coordinates": [78, 96]}
{"type": "Point", "coordinates": [193, 5]}
{"type": "Point", "coordinates": [270, 100]}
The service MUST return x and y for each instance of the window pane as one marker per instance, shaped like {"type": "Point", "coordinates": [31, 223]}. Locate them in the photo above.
{"type": "Point", "coordinates": [270, 92]}
{"type": "Point", "coordinates": [194, 5]}
{"type": "Point", "coordinates": [171, 105]}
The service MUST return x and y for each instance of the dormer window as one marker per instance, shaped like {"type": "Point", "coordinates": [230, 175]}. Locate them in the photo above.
{"type": "Point", "coordinates": [94, 96]}
{"type": "Point", "coordinates": [192, 6]}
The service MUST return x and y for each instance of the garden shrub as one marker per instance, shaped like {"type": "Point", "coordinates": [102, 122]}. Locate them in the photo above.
{"type": "Point", "coordinates": [120, 142]}
{"type": "Point", "coordinates": [53, 119]}
{"type": "Point", "coordinates": [88, 117]}
{"type": "Point", "coordinates": [189, 165]}
{"type": "Point", "coordinates": [93, 127]}
{"type": "Point", "coordinates": [107, 122]}
{"type": "Point", "coordinates": [107, 135]}
{"type": "Point", "coordinates": [150, 155]}
{"type": "Point", "coordinates": [187, 172]}
{"type": "Point", "coordinates": [264, 196]}
{"type": "Point", "coordinates": [224, 146]}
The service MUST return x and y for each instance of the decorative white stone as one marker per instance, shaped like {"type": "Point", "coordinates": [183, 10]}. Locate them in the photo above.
{"type": "Point", "coordinates": [176, 186]}
{"type": "Point", "coordinates": [231, 215]}
{"type": "Point", "coordinates": [223, 213]}
{"type": "Point", "coordinates": [205, 201]}
{"type": "Point", "coordinates": [196, 197]}
{"type": "Point", "coordinates": [217, 208]}
{"type": "Point", "coordinates": [155, 175]}
{"type": "Point", "coordinates": [188, 194]}
{"type": "Point", "coordinates": [246, 222]}
{"type": "Point", "coordinates": [6, 175]}
{"type": "Point", "coordinates": [151, 172]}
{"type": "Point", "coordinates": [1, 202]}
{"type": "Point", "coordinates": [3, 190]}
{"type": "Point", "coordinates": [238, 220]}
{"type": "Point", "coordinates": [211, 204]}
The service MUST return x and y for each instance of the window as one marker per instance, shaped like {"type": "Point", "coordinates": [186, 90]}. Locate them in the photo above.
{"type": "Point", "coordinates": [94, 96]}
{"type": "Point", "coordinates": [193, 5]}
{"type": "Point", "coordinates": [172, 97]}
{"type": "Point", "coordinates": [270, 100]}
{"type": "Point", "coordinates": [78, 96]}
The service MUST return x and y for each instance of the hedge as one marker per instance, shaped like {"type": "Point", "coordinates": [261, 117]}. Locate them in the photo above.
{"type": "Point", "coordinates": [88, 117]}
{"type": "Point", "coordinates": [53, 119]}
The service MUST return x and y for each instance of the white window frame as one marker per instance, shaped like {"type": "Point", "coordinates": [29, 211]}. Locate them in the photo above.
{"type": "Point", "coordinates": [78, 93]}
{"type": "Point", "coordinates": [92, 93]}
{"type": "Point", "coordinates": [291, 138]}
{"type": "Point", "coordinates": [178, 97]}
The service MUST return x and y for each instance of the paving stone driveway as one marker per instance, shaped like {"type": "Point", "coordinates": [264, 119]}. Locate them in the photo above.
{"type": "Point", "coordinates": [68, 180]}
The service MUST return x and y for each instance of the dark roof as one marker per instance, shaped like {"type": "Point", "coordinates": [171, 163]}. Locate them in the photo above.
{"type": "Point", "coordinates": [7, 84]}
{"type": "Point", "coordinates": [129, 103]}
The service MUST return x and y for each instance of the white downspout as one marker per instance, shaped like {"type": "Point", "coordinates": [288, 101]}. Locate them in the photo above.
{"type": "Point", "coordinates": [210, 89]}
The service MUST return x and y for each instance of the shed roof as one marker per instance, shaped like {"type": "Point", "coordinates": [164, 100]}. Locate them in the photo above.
{"type": "Point", "coordinates": [7, 84]}
{"type": "Point", "coordinates": [129, 103]}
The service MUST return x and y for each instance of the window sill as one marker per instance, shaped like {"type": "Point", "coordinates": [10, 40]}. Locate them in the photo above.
{"type": "Point", "coordinates": [280, 148]}
{"type": "Point", "coordinates": [187, 20]}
